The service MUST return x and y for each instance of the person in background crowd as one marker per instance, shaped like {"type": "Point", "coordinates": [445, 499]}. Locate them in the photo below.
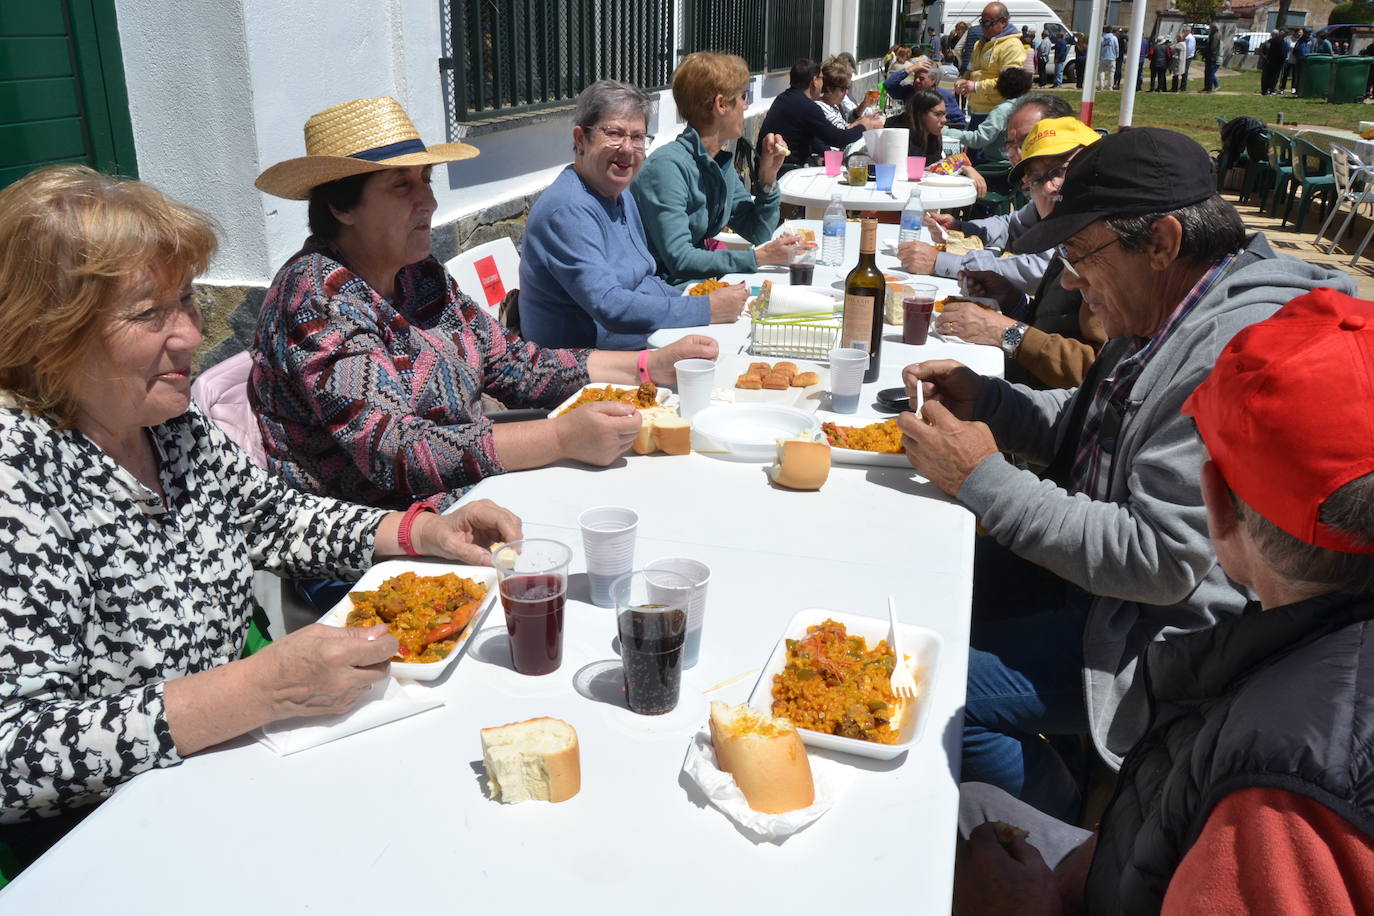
{"type": "Point", "coordinates": [1322, 44]}
{"type": "Point", "coordinates": [989, 137]}
{"type": "Point", "coordinates": [848, 107]}
{"type": "Point", "coordinates": [1178, 65]}
{"type": "Point", "coordinates": [1189, 48]}
{"type": "Point", "coordinates": [1061, 58]}
{"type": "Point", "coordinates": [1080, 59]}
{"type": "Point", "coordinates": [369, 364]}
{"type": "Point", "coordinates": [130, 637]}
{"type": "Point", "coordinates": [1044, 58]}
{"type": "Point", "coordinates": [889, 57]}
{"type": "Point", "coordinates": [918, 74]}
{"type": "Point", "coordinates": [1029, 62]}
{"type": "Point", "coordinates": [1273, 59]}
{"type": "Point", "coordinates": [925, 118]}
{"type": "Point", "coordinates": [1161, 56]}
{"type": "Point", "coordinates": [689, 190]}
{"type": "Point", "coordinates": [836, 80]}
{"type": "Point", "coordinates": [795, 118]}
{"type": "Point", "coordinates": [1211, 62]}
{"type": "Point", "coordinates": [586, 276]}
{"type": "Point", "coordinates": [1051, 337]}
{"type": "Point", "coordinates": [1106, 60]}
{"type": "Point", "coordinates": [1145, 47]}
{"type": "Point", "coordinates": [936, 42]}
{"type": "Point", "coordinates": [1023, 272]}
{"type": "Point", "coordinates": [1086, 565]}
{"type": "Point", "coordinates": [971, 37]}
{"type": "Point", "coordinates": [991, 55]}
{"type": "Point", "coordinates": [1251, 789]}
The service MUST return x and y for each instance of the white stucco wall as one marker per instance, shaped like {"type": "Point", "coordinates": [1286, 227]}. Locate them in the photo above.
{"type": "Point", "coordinates": [221, 89]}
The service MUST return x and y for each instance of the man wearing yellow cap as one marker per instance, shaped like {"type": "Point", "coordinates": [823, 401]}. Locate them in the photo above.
{"type": "Point", "coordinates": [1051, 338]}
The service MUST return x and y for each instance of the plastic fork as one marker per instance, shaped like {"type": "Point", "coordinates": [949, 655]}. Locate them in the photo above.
{"type": "Point", "coordinates": [902, 683]}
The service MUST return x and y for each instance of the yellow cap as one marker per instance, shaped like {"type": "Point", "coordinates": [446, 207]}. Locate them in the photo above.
{"type": "Point", "coordinates": [1054, 137]}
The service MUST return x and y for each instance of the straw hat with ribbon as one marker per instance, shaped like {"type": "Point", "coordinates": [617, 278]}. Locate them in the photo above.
{"type": "Point", "coordinates": [364, 135]}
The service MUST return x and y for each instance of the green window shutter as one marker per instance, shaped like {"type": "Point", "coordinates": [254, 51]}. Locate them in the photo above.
{"type": "Point", "coordinates": [62, 93]}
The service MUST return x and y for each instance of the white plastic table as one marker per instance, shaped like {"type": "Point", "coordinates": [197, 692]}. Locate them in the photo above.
{"type": "Point", "coordinates": [811, 188]}
{"type": "Point", "coordinates": [396, 816]}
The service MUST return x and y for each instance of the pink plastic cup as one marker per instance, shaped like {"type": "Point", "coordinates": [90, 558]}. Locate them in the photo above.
{"type": "Point", "coordinates": [833, 160]}
{"type": "Point", "coordinates": [915, 167]}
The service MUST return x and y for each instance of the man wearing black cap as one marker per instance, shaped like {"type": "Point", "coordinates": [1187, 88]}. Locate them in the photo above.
{"type": "Point", "coordinates": [1085, 567]}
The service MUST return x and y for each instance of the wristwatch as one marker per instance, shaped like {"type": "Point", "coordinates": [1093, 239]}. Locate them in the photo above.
{"type": "Point", "coordinates": [1011, 338]}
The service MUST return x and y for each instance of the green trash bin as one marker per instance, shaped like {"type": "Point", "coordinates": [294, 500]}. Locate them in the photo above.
{"type": "Point", "coordinates": [1349, 77]}
{"type": "Point", "coordinates": [1315, 76]}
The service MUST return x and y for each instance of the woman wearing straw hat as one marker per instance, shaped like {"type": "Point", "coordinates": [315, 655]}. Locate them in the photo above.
{"type": "Point", "coordinates": [370, 365]}
{"type": "Point", "coordinates": [132, 524]}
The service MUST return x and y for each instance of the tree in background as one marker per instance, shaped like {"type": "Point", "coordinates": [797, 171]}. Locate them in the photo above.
{"type": "Point", "coordinates": [1200, 10]}
{"type": "Point", "coordinates": [1352, 12]}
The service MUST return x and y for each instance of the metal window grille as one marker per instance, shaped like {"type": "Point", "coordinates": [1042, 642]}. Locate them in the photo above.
{"type": "Point", "coordinates": [875, 28]}
{"type": "Point", "coordinates": [768, 34]}
{"type": "Point", "coordinates": [517, 55]}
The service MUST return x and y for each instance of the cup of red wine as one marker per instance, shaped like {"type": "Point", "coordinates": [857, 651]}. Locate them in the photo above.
{"type": "Point", "coordinates": [533, 578]}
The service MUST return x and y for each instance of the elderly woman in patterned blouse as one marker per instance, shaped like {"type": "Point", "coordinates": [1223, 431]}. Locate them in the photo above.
{"type": "Point", "coordinates": [132, 524]}
{"type": "Point", "coordinates": [370, 364]}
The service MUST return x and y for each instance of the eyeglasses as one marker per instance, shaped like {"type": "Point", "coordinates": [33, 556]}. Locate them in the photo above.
{"type": "Point", "coordinates": [987, 22]}
{"type": "Point", "coordinates": [616, 138]}
{"type": "Point", "coordinates": [1069, 262]}
{"type": "Point", "coordinates": [1054, 174]}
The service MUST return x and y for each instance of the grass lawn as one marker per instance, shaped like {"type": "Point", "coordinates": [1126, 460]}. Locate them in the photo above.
{"type": "Point", "coordinates": [1193, 113]}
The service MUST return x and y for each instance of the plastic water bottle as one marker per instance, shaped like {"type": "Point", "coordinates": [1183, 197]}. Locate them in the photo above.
{"type": "Point", "coordinates": [832, 233]}
{"type": "Point", "coordinates": [913, 216]}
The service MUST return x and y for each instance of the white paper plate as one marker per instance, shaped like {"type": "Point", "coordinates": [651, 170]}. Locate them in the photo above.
{"type": "Point", "coordinates": [750, 431]}
{"type": "Point", "coordinates": [857, 456]}
{"type": "Point", "coordinates": [946, 181]}
{"type": "Point", "coordinates": [665, 396]}
{"type": "Point", "coordinates": [922, 648]}
{"type": "Point", "coordinates": [426, 671]}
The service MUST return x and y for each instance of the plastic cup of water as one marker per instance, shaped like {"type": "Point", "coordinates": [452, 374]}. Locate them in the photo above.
{"type": "Point", "coordinates": [847, 367]}
{"type": "Point", "coordinates": [608, 540]}
{"type": "Point", "coordinates": [695, 380]}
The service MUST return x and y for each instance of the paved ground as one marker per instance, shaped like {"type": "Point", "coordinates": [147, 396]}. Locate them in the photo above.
{"type": "Point", "coordinates": [1302, 245]}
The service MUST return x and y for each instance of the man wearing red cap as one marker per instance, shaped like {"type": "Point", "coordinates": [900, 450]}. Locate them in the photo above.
{"type": "Point", "coordinates": [1106, 551]}
{"type": "Point", "coordinates": [1253, 787]}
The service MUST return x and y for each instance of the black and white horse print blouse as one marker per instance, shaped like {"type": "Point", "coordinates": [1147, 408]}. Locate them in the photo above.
{"type": "Point", "coordinates": [107, 592]}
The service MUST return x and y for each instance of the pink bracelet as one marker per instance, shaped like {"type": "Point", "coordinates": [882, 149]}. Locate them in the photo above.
{"type": "Point", "coordinates": [644, 366]}
{"type": "Point", "coordinates": [403, 529]}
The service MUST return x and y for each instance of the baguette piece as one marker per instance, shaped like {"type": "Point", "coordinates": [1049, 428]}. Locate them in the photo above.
{"type": "Point", "coordinates": [802, 464]}
{"type": "Point", "coordinates": [765, 755]}
{"type": "Point", "coordinates": [534, 760]}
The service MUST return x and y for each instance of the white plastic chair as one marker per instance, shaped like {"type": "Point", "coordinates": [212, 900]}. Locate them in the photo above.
{"type": "Point", "coordinates": [487, 272]}
{"type": "Point", "coordinates": [1354, 188]}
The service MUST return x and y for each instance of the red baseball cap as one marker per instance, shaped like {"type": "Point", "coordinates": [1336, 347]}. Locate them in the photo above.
{"type": "Point", "coordinates": [1287, 413]}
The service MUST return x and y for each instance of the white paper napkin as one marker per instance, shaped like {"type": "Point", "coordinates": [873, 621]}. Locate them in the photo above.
{"type": "Point", "coordinates": [387, 701]}
{"type": "Point", "coordinates": [830, 778]}
{"type": "Point", "coordinates": [784, 300]}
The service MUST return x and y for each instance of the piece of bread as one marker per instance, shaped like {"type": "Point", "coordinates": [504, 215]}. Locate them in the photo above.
{"type": "Point", "coordinates": [749, 382]}
{"type": "Point", "coordinates": [802, 379]}
{"type": "Point", "coordinates": [776, 382]}
{"type": "Point", "coordinates": [802, 464]}
{"type": "Point", "coordinates": [765, 755]}
{"type": "Point", "coordinates": [534, 760]}
{"type": "Point", "coordinates": [672, 434]}
{"type": "Point", "coordinates": [759, 369]}
{"type": "Point", "coordinates": [785, 366]}
{"type": "Point", "coordinates": [644, 439]}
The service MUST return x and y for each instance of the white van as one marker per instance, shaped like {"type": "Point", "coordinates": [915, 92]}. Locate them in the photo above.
{"type": "Point", "coordinates": [1032, 13]}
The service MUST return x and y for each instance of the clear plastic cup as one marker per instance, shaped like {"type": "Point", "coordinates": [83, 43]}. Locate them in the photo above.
{"type": "Point", "coordinates": [834, 158]}
{"type": "Point", "coordinates": [885, 173]}
{"type": "Point", "coordinates": [695, 380]}
{"type": "Point", "coordinates": [700, 576]}
{"type": "Point", "coordinates": [847, 367]}
{"type": "Point", "coordinates": [917, 308]}
{"type": "Point", "coordinates": [651, 620]}
{"type": "Point", "coordinates": [533, 577]}
{"type": "Point", "coordinates": [608, 540]}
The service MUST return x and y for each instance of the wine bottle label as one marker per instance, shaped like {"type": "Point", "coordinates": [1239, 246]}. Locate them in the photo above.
{"type": "Point", "coordinates": [857, 329]}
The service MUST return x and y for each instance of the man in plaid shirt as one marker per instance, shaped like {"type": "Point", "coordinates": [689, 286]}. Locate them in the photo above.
{"type": "Point", "coordinates": [1106, 549]}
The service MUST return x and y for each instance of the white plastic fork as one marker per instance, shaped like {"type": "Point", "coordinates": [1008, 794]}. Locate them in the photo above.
{"type": "Point", "coordinates": [902, 683]}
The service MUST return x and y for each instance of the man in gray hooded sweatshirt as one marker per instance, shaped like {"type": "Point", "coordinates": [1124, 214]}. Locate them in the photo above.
{"type": "Point", "coordinates": [1107, 550]}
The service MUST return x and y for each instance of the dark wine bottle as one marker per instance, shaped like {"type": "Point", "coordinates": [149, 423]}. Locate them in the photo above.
{"type": "Point", "coordinates": [864, 293]}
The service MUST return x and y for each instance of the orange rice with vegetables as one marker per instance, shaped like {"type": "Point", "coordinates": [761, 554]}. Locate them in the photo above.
{"type": "Point", "coordinates": [646, 395]}
{"type": "Point", "coordinates": [835, 684]}
{"type": "Point", "coordinates": [884, 437]}
{"type": "Point", "coordinates": [706, 287]}
{"type": "Point", "coordinates": [426, 614]}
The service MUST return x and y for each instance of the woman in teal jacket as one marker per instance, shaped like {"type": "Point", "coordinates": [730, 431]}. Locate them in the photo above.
{"type": "Point", "coordinates": [688, 190]}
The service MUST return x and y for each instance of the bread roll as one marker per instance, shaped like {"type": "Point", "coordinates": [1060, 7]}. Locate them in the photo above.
{"type": "Point", "coordinates": [534, 760]}
{"type": "Point", "coordinates": [749, 382]}
{"type": "Point", "coordinates": [644, 439]}
{"type": "Point", "coordinates": [759, 369]}
{"type": "Point", "coordinates": [672, 434]}
{"type": "Point", "coordinates": [802, 379]}
{"type": "Point", "coordinates": [765, 755]}
{"type": "Point", "coordinates": [777, 382]}
{"type": "Point", "coordinates": [801, 464]}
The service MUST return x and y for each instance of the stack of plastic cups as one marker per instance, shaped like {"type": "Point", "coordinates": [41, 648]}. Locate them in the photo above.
{"type": "Point", "coordinates": [847, 367]}
{"type": "Point", "coordinates": [608, 539]}
{"type": "Point", "coordinates": [696, 378]}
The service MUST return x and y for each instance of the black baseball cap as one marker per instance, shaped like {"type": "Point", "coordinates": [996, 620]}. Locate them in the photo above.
{"type": "Point", "coordinates": [1140, 170]}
